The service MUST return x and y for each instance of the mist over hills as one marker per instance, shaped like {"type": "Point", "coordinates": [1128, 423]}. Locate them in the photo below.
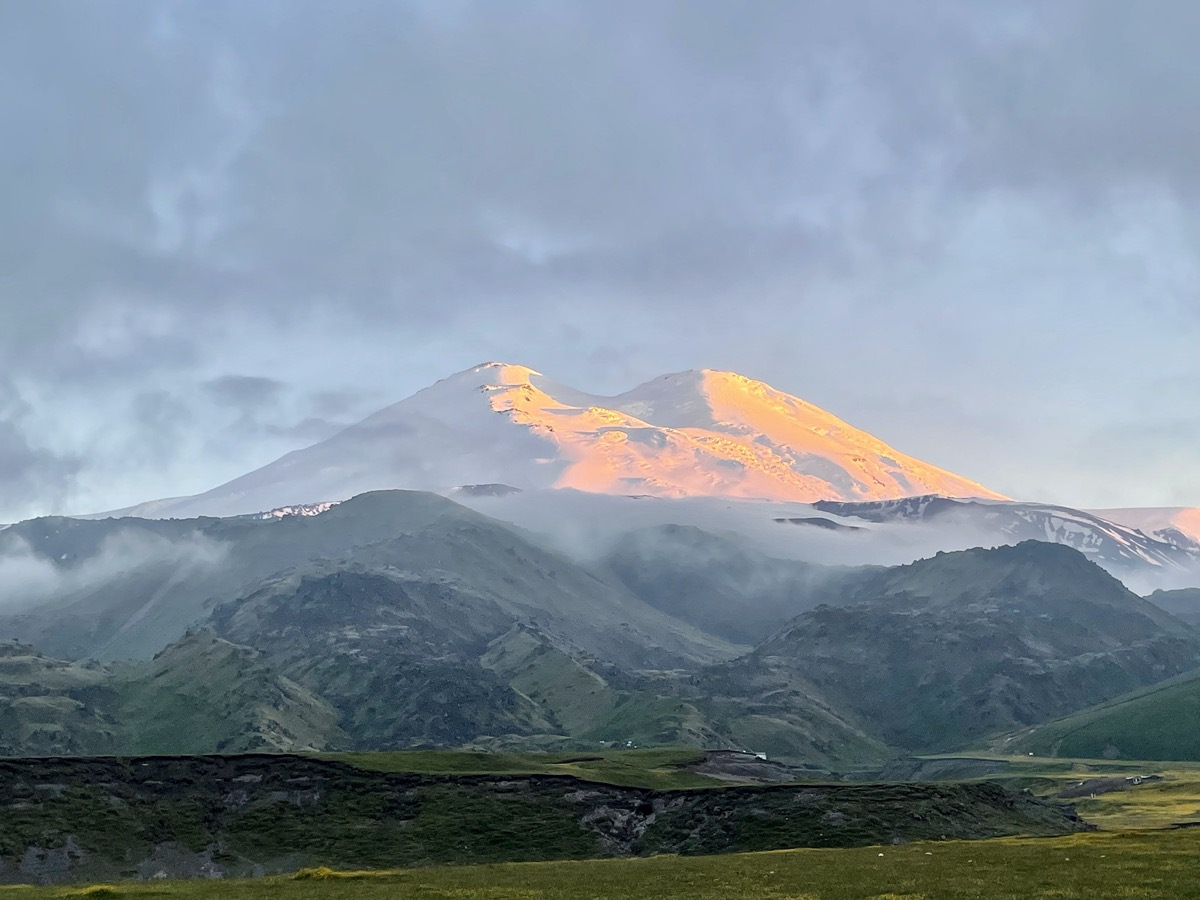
{"type": "Point", "coordinates": [403, 619]}
{"type": "Point", "coordinates": [126, 604]}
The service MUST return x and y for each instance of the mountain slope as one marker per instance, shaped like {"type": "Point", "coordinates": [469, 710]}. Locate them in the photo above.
{"type": "Point", "coordinates": [972, 643]}
{"type": "Point", "coordinates": [1158, 722]}
{"type": "Point", "coordinates": [1177, 525]}
{"type": "Point", "coordinates": [691, 433]}
{"type": "Point", "coordinates": [719, 583]}
{"type": "Point", "coordinates": [1184, 603]}
{"type": "Point", "coordinates": [50, 707]}
{"type": "Point", "coordinates": [203, 695]}
{"type": "Point", "coordinates": [199, 695]}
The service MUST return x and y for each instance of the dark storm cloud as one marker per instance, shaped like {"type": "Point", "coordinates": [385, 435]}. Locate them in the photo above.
{"type": "Point", "coordinates": [230, 227]}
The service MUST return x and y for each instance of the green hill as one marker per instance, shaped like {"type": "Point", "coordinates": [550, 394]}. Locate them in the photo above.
{"type": "Point", "coordinates": [1161, 722]}
{"type": "Point", "coordinates": [970, 643]}
{"type": "Point", "coordinates": [128, 587]}
{"type": "Point", "coordinates": [204, 694]}
{"type": "Point", "coordinates": [52, 706]}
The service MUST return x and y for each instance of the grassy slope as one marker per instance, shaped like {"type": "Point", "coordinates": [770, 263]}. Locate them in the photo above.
{"type": "Point", "coordinates": [567, 692]}
{"type": "Point", "coordinates": [972, 643]}
{"type": "Point", "coordinates": [1158, 722]}
{"type": "Point", "coordinates": [661, 768]}
{"type": "Point", "coordinates": [1082, 866]}
{"type": "Point", "coordinates": [50, 706]}
{"type": "Point", "coordinates": [203, 694]}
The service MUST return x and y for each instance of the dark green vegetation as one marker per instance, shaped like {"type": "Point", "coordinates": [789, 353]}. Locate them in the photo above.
{"type": "Point", "coordinates": [1157, 723]}
{"type": "Point", "coordinates": [92, 819]}
{"type": "Point", "coordinates": [402, 620]}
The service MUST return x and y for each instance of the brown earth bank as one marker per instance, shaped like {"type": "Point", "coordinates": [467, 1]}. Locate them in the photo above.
{"type": "Point", "coordinates": [91, 819]}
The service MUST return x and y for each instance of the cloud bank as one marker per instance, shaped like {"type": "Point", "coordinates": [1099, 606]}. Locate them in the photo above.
{"type": "Point", "coordinates": [232, 228]}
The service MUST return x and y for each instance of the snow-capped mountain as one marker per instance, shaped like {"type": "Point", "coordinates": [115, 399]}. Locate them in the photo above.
{"type": "Point", "coordinates": [1178, 525]}
{"type": "Point", "coordinates": [1114, 545]}
{"type": "Point", "coordinates": [695, 433]}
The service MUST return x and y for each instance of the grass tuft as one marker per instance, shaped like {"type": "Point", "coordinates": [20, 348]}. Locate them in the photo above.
{"type": "Point", "coordinates": [324, 873]}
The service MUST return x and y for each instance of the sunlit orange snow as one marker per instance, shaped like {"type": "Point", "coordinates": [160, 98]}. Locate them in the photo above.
{"type": "Point", "coordinates": [710, 433]}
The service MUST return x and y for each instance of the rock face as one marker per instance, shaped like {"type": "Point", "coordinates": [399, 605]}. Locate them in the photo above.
{"type": "Point", "coordinates": [695, 433]}
{"type": "Point", "coordinates": [210, 817]}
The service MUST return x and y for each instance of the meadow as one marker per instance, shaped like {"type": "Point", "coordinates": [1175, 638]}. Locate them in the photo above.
{"type": "Point", "coordinates": [1086, 866]}
{"type": "Point", "coordinates": [1170, 799]}
{"type": "Point", "coordinates": [1144, 848]}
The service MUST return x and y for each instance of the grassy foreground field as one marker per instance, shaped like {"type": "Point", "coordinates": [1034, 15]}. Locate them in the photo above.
{"type": "Point", "coordinates": [1085, 866]}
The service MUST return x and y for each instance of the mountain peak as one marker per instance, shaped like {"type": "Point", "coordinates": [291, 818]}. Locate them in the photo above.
{"type": "Point", "coordinates": [498, 373]}
{"type": "Point", "coordinates": [701, 432]}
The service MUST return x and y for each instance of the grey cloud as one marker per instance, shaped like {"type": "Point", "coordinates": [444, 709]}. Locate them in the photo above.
{"type": "Point", "coordinates": [247, 393]}
{"type": "Point", "coordinates": [338, 403]}
{"type": "Point", "coordinates": [1099, 95]}
{"type": "Point", "coordinates": [32, 477]}
{"type": "Point", "coordinates": [27, 578]}
{"type": "Point", "coordinates": [341, 203]}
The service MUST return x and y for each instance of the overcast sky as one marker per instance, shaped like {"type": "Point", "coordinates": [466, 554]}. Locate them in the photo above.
{"type": "Point", "coordinates": [230, 228]}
